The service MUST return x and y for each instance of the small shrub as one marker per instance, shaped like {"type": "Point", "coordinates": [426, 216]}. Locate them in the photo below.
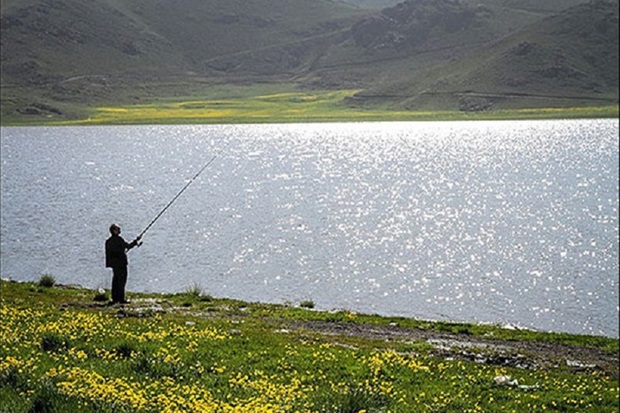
{"type": "Point", "coordinates": [46, 399]}
{"type": "Point", "coordinates": [307, 304]}
{"type": "Point", "coordinates": [155, 367]}
{"type": "Point", "coordinates": [125, 350]}
{"type": "Point", "coordinates": [47, 281]}
{"type": "Point", "coordinates": [12, 377]}
{"type": "Point", "coordinates": [53, 342]}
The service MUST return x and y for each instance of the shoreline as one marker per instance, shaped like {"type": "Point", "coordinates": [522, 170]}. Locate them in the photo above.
{"type": "Point", "coordinates": [139, 303]}
{"type": "Point", "coordinates": [176, 114]}
{"type": "Point", "coordinates": [310, 307]}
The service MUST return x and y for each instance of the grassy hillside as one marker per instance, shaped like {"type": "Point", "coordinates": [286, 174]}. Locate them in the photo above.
{"type": "Point", "coordinates": [567, 59]}
{"type": "Point", "coordinates": [373, 4]}
{"type": "Point", "coordinates": [59, 55]}
{"type": "Point", "coordinates": [61, 59]}
{"type": "Point", "coordinates": [403, 40]}
{"type": "Point", "coordinates": [67, 38]}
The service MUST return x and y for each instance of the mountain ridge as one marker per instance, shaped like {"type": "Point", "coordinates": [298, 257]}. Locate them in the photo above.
{"type": "Point", "coordinates": [64, 53]}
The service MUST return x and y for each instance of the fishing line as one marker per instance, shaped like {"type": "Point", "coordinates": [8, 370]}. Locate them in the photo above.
{"type": "Point", "coordinates": [183, 190]}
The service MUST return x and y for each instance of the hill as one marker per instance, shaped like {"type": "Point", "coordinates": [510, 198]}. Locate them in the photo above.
{"type": "Point", "coordinates": [58, 57]}
{"type": "Point", "coordinates": [566, 59]}
{"type": "Point", "coordinates": [60, 52]}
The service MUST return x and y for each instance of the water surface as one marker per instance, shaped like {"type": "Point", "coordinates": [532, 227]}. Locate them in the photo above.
{"type": "Point", "coordinates": [501, 222]}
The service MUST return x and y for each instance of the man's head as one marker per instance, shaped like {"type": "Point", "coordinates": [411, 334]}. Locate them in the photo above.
{"type": "Point", "coordinates": [115, 229]}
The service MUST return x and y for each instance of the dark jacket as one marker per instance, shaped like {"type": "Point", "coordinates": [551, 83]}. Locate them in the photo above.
{"type": "Point", "coordinates": [116, 251]}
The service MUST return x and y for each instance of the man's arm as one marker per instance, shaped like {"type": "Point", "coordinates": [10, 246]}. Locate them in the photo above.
{"type": "Point", "coordinates": [134, 243]}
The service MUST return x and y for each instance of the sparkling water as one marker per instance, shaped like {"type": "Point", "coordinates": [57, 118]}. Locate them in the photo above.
{"type": "Point", "coordinates": [508, 222]}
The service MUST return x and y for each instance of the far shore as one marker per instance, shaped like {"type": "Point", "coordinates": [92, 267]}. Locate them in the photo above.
{"type": "Point", "coordinates": [257, 110]}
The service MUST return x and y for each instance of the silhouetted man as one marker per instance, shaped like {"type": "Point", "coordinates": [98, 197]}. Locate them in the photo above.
{"type": "Point", "coordinates": [116, 258]}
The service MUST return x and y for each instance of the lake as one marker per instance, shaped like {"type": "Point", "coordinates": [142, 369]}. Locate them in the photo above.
{"type": "Point", "coordinates": [506, 222]}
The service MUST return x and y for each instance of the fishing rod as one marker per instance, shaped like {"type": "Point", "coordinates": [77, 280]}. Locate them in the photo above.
{"type": "Point", "coordinates": [182, 190]}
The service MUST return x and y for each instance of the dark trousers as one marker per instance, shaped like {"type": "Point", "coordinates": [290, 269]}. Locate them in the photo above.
{"type": "Point", "coordinates": [119, 279]}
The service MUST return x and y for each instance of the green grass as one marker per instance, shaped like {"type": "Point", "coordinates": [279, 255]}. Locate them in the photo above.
{"type": "Point", "coordinates": [60, 351]}
{"type": "Point", "coordinates": [277, 103]}
{"type": "Point", "coordinates": [47, 281]}
{"type": "Point", "coordinates": [296, 106]}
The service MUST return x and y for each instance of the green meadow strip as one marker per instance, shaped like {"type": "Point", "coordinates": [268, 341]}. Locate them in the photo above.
{"type": "Point", "coordinates": [296, 107]}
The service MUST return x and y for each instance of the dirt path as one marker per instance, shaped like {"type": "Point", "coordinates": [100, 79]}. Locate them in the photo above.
{"type": "Point", "coordinates": [520, 354]}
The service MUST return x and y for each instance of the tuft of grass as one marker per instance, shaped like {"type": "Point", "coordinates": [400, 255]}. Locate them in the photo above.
{"type": "Point", "coordinates": [352, 399]}
{"type": "Point", "coordinates": [125, 350]}
{"type": "Point", "coordinates": [195, 291]}
{"type": "Point", "coordinates": [53, 342]}
{"type": "Point", "coordinates": [307, 304]}
{"type": "Point", "coordinates": [46, 399]}
{"type": "Point", "coordinates": [47, 281]}
{"type": "Point", "coordinates": [194, 294]}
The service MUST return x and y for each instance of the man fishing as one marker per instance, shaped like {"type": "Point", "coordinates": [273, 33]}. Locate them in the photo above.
{"type": "Point", "coordinates": [116, 258]}
{"type": "Point", "coordinates": [116, 248]}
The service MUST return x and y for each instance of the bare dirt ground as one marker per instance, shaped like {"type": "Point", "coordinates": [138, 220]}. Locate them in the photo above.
{"type": "Point", "coordinates": [520, 354]}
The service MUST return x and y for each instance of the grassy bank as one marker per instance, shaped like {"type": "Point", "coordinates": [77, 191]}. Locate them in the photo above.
{"type": "Point", "coordinates": [64, 349]}
{"type": "Point", "coordinates": [262, 105]}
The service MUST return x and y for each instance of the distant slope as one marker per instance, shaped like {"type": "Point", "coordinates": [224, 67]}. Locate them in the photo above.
{"type": "Point", "coordinates": [60, 55]}
{"type": "Point", "coordinates": [72, 50]}
{"type": "Point", "coordinates": [153, 35]}
{"type": "Point", "coordinates": [373, 4]}
{"type": "Point", "coordinates": [403, 40]}
{"type": "Point", "coordinates": [566, 59]}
